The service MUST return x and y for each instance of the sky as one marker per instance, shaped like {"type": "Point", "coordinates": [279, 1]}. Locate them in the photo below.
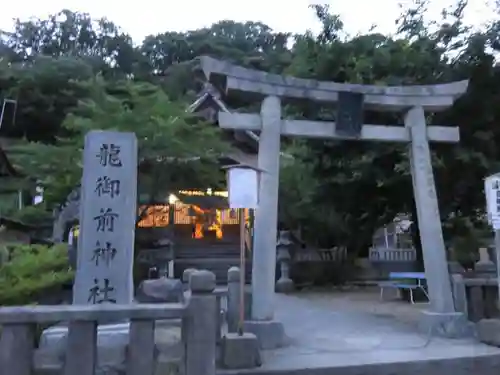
{"type": "Point", "coordinates": [142, 18]}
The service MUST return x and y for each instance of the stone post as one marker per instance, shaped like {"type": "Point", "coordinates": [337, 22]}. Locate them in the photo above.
{"type": "Point", "coordinates": [270, 333]}
{"type": "Point", "coordinates": [200, 324]}
{"type": "Point", "coordinates": [239, 350]}
{"type": "Point", "coordinates": [459, 293]}
{"type": "Point", "coordinates": [493, 254]}
{"type": "Point", "coordinates": [442, 317]}
{"type": "Point", "coordinates": [233, 299]}
{"type": "Point", "coordinates": [186, 276]}
{"type": "Point", "coordinates": [484, 266]}
{"type": "Point", "coordinates": [284, 284]}
{"type": "Point", "coordinates": [16, 349]}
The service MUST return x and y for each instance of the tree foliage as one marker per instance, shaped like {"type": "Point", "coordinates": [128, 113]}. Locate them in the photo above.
{"type": "Point", "coordinates": [71, 73]}
{"type": "Point", "coordinates": [366, 184]}
{"type": "Point", "coordinates": [32, 272]}
{"type": "Point", "coordinates": [172, 143]}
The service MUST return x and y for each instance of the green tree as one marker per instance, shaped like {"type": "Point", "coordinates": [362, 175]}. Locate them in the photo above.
{"type": "Point", "coordinates": [176, 149]}
{"type": "Point", "coordinates": [46, 89]}
{"type": "Point", "coordinates": [28, 273]}
{"type": "Point", "coordinates": [167, 58]}
{"type": "Point", "coordinates": [70, 33]}
{"type": "Point", "coordinates": [367, 184]}
{"type": "Point", "coordinates": [347, 189]}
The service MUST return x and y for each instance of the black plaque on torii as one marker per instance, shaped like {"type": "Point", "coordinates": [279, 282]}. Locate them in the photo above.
{"type": "Point", "coordinates": [349, 114]}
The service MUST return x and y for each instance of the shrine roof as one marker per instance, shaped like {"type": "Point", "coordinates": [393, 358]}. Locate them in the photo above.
{"type": "Point", "coordinates": [6, 168]}
{"type": "Point", "coordinates": [246, 140]}
{"type": "Point", "coordinates": [14, 224]}
{"type": "Point", "coordinates": [204, 201]}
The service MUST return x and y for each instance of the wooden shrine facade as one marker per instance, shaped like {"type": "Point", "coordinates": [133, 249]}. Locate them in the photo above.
{"type": "Point", "coordinates": [194, 215]}
{"type": "Point", "coordinates": [6, 168]}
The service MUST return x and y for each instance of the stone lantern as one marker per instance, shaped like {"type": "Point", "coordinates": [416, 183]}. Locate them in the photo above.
{"type": "Point", "coordinates": [283, 258]}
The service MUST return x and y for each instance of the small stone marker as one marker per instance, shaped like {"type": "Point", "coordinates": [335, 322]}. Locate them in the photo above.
{"type": "Point", "coordinates": [488, 331]}
{"type": "Point", "coordinates": [484, 256]}
{"type": "Point", "coordinates": [240, 351]}
{"type": "Point", "coordinates": [485, 264]}
{"type": "Point", "coordinates": [107, 219]}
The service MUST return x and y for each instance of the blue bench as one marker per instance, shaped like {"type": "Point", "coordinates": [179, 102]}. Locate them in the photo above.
{"type": "Point", "coordinates": [404, 280]}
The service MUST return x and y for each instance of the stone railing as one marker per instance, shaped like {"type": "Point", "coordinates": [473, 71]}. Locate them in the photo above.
{"type": "Point", "coordinates": [476, 296]}
{"type": "Point", "coordinates": [233, 300]}
{"type": "Point", "coordinates": [228, 302]}
{"type": "Point", "coordinates": [199, 327]}
{"type": "Point", "coordinates": [392, 255]}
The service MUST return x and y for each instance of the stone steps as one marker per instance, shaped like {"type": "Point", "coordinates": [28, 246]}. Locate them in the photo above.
{"type": "Point", "coordinates": [197, 250]}
{"type": "Point", "coordinates": [219, 266]}
{"type": "Point", "coordinates": [213, 255]}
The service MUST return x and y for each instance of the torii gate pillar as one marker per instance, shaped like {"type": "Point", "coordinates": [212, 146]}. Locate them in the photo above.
{"type": "Point", "coordinates": [266, 216]}
{"type": "Point", "coordinates": [269, 332]}
{"type": "Point", "coordinates": [441, 318]}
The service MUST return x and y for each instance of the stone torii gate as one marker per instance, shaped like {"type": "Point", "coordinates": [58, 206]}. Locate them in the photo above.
{"type": "Point", "coordinates": [351, 99]}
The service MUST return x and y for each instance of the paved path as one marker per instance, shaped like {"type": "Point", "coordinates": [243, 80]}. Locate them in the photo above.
{"type": "Point", "coordinates": [354, 333]}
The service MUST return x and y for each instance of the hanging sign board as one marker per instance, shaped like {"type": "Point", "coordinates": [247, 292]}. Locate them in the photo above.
{"type": "Point", "coordinates": [349, 122]}
{"type": "Point", "coordinates": [492, 192]}
{"type": "Point", "coordinates": [243, 187]}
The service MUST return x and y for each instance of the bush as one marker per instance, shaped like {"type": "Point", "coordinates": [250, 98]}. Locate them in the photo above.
{"type": "Point", "coordinates": [321, 272]}
{"type": "Point", "coordinates": [32, 215]}
{"type": "Point", "coordinates": [31, 272]}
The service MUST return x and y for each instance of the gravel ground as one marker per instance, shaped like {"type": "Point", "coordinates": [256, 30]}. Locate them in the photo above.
{"type": "Point", "coordinates": [364, 299]}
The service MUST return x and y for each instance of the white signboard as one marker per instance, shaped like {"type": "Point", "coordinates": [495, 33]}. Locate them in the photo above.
{"type": "Point", "coordinates": [243, 187]}
{"type": "Point", "coordinates": [492, 192]}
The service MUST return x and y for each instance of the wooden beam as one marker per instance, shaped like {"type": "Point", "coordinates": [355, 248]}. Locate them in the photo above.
{"type": "Point", "coordinates": [326, 129]}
